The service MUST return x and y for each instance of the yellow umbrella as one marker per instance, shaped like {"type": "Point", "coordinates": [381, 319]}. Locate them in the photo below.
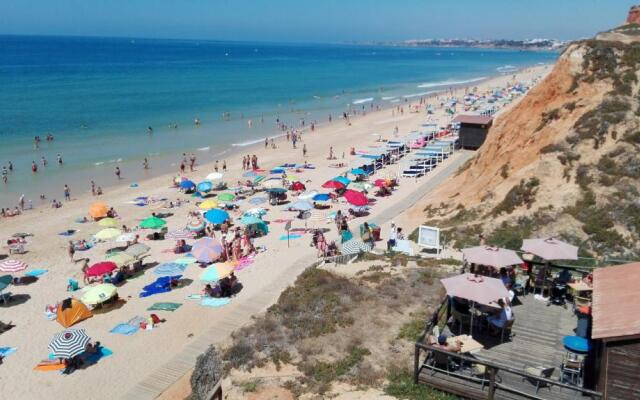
{"type": "Point", "coordinates": [208, 204]}
{"type": "Point", "coordinates": [108, 222]}
{"type": "Point", "coordinates": [99, 294]}
{"type": "Point", "coordinates": [108, 234]}
{"type": "Point", "coordinates": [121, 258]}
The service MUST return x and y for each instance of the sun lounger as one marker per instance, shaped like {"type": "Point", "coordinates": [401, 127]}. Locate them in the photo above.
{"type": "Point", "coordinates": [409, 173]}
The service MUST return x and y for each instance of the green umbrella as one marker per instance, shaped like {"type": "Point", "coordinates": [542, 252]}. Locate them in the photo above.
{"type": "Point", "coordinates": [5, 281]}
{"type": "Point", "coordinates": [226, 197]}
{"type": "Point", "coordinates": [152, 223]}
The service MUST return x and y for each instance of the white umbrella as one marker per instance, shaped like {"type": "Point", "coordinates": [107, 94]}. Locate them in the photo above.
{"type": "Point", "coordinates": [126, 237]}
{"type": "Point", "coordinates": [214, 176]}
{"type": "Point", "coordinates": [550, 249]}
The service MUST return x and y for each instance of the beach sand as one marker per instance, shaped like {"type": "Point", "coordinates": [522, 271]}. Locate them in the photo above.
{"type": "Point", "coordinates": [136, 357]}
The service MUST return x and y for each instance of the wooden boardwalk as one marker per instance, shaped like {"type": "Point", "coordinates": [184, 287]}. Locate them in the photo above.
{"type": "Point", "coordinates": [536, 342]}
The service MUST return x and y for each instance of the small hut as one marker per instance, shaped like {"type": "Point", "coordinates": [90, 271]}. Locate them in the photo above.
{"type": "Point", "coordinates": [473, 130]}
{"type": "Point", "coordinates": [616, 331]}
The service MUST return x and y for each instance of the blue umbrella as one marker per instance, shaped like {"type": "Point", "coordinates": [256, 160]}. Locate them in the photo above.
{"type": "Point", "coordinates": [253, 220]}
{"type": "Point", "coordinates": [205, 186]}
{"type": "Point", "coordinates": [216, 216]}
{"type": "Point", "coordinates": [358, 171]}
{"type": "Point", "coordinates": [258, 200]}
{"type": "Point", "coordinates": [342, 179]}
{"type": "Point", "coordinates": [250, 174]}
{"type": "Point", "coordinates": [169, 269]}
{"type": "Point", "coordinates": [321, 197]}
{"type": "Point", "coordinates": [277, 171]}
{"type": "Point", "coordinates": [301, 205]}
{"type": "Point", "coordinates": [187, 184]}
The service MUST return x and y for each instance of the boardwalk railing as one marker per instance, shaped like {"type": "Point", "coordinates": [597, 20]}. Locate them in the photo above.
{"type": "Point", "coordinates": [484, 374]}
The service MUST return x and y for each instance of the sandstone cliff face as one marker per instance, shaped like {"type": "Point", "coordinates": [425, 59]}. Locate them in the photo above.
{"type": "Point", "coordinates": [633, 17]}
{"type": "Point", "coordinates": [561, 162]}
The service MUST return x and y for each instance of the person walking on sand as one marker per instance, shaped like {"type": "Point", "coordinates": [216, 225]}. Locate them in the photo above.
{"type": "Point", "coordinates": [67, 193]}
{"type": "Point", "coordinates": [21, 202]}
{"type": "Point", "coordinates": [304, 150]}
{"type": "Point", "coordinates": [215, 166]}
{"type": "Point", "coordinates": [118, 172]}
{"type": "Point", "coordinates": [266, 142]}
{"type": "Point", "coordinates": [331, 153]}
{"type": "Point", "coordinates": [71, 250]}
{"type": "Point", "coordinates": [93, 188]}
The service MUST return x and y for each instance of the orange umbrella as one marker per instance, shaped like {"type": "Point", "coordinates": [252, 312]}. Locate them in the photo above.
{"type": "Point", "coordinates": [98, 210]}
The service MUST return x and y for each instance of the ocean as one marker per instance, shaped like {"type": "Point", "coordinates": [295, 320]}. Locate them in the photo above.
{"type": "Point", "coordinates": [98, 96]}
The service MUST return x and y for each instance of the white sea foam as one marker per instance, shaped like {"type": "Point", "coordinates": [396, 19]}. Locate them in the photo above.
{"type": "Point", "coordinates": [99, 163]}
{"type": "Point", "coordinates": [412, 95]}
{"type": "Point", "coordinates": [360, 101]}
{"type": "Point", "coordinates": [255, 141]}
{"type": "Point", "coordinates": [389, 97]}
{"type": "Point", "coordinates": [204, 148]}
{"type": "Point", "coordinates": [451, 82]}
{"type": "Point", "coordinates": [507, 68]}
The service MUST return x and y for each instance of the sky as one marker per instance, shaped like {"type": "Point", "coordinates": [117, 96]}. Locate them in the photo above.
{"type": "Point", "coordinates": [332, 21]}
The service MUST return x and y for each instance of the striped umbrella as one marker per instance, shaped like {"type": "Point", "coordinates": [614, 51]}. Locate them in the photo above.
{"type": "Point", "coordinates": [216, 272]}
{"type": "Point", "coordinates": [195, 225]}
{"type": "Point", "coordinates": [183, 234]}
{"type": "Point", "coordinates": [355, 246]}
{"type": "Point", "coordinates": [169, 269]}
{"type": "Point", "coordinates": [68, 343]}
{"type": "Point", "coordinates": [13, 266]}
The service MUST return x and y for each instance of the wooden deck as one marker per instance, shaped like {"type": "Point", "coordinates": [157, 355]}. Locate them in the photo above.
{"type": "Point", "coordinates": [536, 342]}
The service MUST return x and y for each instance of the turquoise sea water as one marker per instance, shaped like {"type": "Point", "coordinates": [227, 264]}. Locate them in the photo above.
{"type": "Point", "coordinates": [97, 96]}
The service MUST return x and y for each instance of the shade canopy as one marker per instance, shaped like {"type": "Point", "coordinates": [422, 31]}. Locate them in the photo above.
{"type": "Point", "coordinates": [301, 205]}
{"type": "Point", "coordinates": [214, 176]}
{"type": "Point", "coordinates": [333, 185]}
{"type": "Point", "coordinates": [71, 311]}
{"type": "Point", "coordinates": [476, 288]}
{"type": "Point", "coordinates": [108, 234]}
{"type": "Point", "coordinates": [208, 204]}
{"type": "Point", "coordinates": [195, 225]}
{"type": "Point", "coordinates": [68, 343]}
{"type": "Point", "coordinates": [226, 197]}
{"type": "Point", "coordinates": [355, 246]}
{"type": "Point", "coordinates": [491, 256]}
{"type": "Point", "coordinates": [108, 222]}
{"type": "Point", "coordinates": [550, 249]}
{"type": "Point", "coordinates": [205, 186]}
{"type": "Point", "coordinates": [169, 269]}
{"type": "Point", "coordinates": [343, 180]}
{"type": "Point", "coordinates": [297, 186]}
{"type": "Point", "coordinates": [99, 294]}
{"type": "Point", "coordinates": [187, 184]}
{"type": "Point", "coordinates": [321, 197]}
{"type": "Point", "coordinates": [121, 258]}
{"type": "Point", "coordinates": [137, 250]}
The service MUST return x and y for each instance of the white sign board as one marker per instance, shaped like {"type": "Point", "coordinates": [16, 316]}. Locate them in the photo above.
{"type": "Point", "coordinates": [429, 237]}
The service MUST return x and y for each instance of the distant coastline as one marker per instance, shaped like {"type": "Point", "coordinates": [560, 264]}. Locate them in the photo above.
{"type": "Point", "coordinates": [506, 44]}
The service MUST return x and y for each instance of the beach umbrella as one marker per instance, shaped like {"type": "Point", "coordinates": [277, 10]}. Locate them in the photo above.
{"type": "Point", "coordinates": [361, 186]}
{"type": "Point", "coordinates": [5, 281]}
{"type": "Point", "coordinates": [358, 171]}
{"type": "Point", "coordinates": [208, 204]}
{"type": "Point", "coordinates": [205, 186]}
{"type": "Point", "coordinates": [321, 197]}
{"type": "Point", "coordinates": [248, 220]}
{"type": "Point", "coordinates": [101, 268]}
{"type": "Point", "coordinates": [215, 272]}
{"type": "Point", "coordinates": [550, 249]}
{"type": "Point", "coordinates": [356, 198]}
{"type": "Point", "coordinates": [342, 179]}
{"type": "Point", "coordinates": [68, 343]}
{"type": "Point", "coordinates": [226, 197]}
{"type": "Point", "coordinates": [300, 205]}
{"type": "Point", "coordinates": [292, 178]}
{"type": "Point", "coordinates": [308, 195]}
{"type": "Point", "coordinates": [272, 183]}
{"type": "Point", "coordinates": [99, 294]}
{"type": "Point", "coordinates": [333, 185]}
{"type": "Point", "coordinates": [355, 246]}
{"type": "Point", "coordinates": [121, 258]}
{"type": "Point", "coordinates": [126, 237]}
{"type": "Point", "coordinates": [195, 225]}
{"type": "Point", "coordinates": [180, 234]}
{"type": "Point", "coordinates": [207, 250]}
{"type": "Point", "coordinates": [152, 223]}
{"type": "Point", "coordinates": [257, 211]}
{"type": "Point", "coordinates": [98, 210]}
{"type": "Point", "coordinates": [187, 184]}
{"type": "Point", "coordinates": [71, 311]}
{"type": "Point", "coordinates": [257, 200]}
{"type": "Point", "coordinates": [186, 260]}
{"type": "Point", "coordinates": [12, 266]}
{"type": "Point", "coordinates": [108, 222]}
{"type": "Point", "coordinates": [216, 216]}
{"type": "Point", "coordinates": [297, 186]}
{"type": "Point", "coordinates": [108, 234]}
{"type": "Point", "coordinates": [475, 288]}
{"type": "Point", "coordinates": [137, 250]}
{"type": "Point", "coordinates": [249, 174]}
{"type": "Point", "coordinates": [214, 176]}
{"type": "Point", "coordinates": [169, 269]}
{"type": "Point", "coordinates": [491, 256]}
{"type": "Point", "coordinates": [381, 182]}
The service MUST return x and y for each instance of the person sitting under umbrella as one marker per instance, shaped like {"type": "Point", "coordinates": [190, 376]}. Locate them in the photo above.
{"type": "Point", "coordinates": [228, 284]}
{"type": "Point", "coordinates": [441, 343]}
{"type": "Point", "coordinates": [500, 319]}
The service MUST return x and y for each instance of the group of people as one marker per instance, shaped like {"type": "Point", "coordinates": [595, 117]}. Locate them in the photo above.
{"type": "Point", "coordinates": [249, 162]}
{"type": "Point", "coordinates": [225, 287]}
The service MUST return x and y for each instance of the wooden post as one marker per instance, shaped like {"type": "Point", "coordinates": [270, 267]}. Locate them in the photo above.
{"type": "Point", "coordinates": [492, 383]}
{"type": "Point", "coordinates": [416, 364]}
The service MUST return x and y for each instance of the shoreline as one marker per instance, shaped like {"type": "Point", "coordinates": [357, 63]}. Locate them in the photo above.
{"type": "Point", "coordinates": [169, 162]}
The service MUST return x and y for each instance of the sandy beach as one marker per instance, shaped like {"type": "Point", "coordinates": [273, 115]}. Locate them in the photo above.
{"type": "Point", "coordinates": [136, 357]}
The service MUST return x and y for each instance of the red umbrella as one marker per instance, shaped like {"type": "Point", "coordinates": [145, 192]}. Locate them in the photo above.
{"type": "Point", "coordinates": [356, 198]}
{"type": "Point", "coordinates": [101, 268]}
{"type": "Point", "coordinates": [297, 186]}
{"type": "Point", "coordinates": [333, 185]}
{"type": "Point", "coordinates": [381, 182]}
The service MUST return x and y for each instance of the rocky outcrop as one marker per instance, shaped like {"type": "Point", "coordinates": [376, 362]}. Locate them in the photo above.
{"type": "Point", "coordinates": [633, 17]}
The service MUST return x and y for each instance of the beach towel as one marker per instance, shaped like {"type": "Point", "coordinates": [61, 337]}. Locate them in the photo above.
{"type": "Point", "coordinates": [36, 272]}
{"type": "Point", "coordinates": [125, 329]}
{"type": "Point", "coordinates": [5, 351]}
{"type": "Point", "coordinates": [93, 358]}
{"type": "Point", "coordinates": [243, 263]}
{"type": "Point", "coordinates": [164, 307]}
{"type": "Point", "coordinates": [47, 365]}
{"type": "Point", "coordinates": [160, 285]}
{"type": "Point", "coordinates": [284, 237]}
{"type": "Point", "coordinates": [215, 302]}
{"type": "Point", "coordinates": [193, 297]}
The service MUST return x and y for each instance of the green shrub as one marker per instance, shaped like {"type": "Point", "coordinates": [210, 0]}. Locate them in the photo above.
{"type": "Point", "coordinates": [552, 148]}
{"type": "Point", "coordinates": [324, 372]}
{"type": "Point", "coordinates": [412, 329]}
{"type": "Point", "coordinates": [401, 386]}
{"type": "Point", "coordinates": [521, 194]}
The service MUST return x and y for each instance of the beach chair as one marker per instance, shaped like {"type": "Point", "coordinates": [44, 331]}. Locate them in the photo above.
{"type": "Point", "coordinates": [17, 249]}
{"type": "Point", "coordinates": [538, 372]}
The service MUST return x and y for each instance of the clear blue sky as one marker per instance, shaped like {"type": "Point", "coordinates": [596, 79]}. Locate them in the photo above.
{"type": "Point", "coordinates": [313, 20]}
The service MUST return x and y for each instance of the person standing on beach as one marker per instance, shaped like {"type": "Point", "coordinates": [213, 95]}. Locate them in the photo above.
{"type": "Point", "coordinates": [93, 188]}
{"type": "Point", "coordinates": [192, 162]}
{"type": "Point", "coordinates": [266, 142]}
{"type": "Point", "coordinates": [59, 159]}
{"type": "Point", "coordinates": [21, 202]}
{"type": "Point", "coordinates": [118, 172]}
{"type": "Point", "coordinates": [304, 150]}
{"type": "Point", "coordinates": [145, 163]}
{"type": "Point", "coordinates": [182, 167]}
{"type": "Point", "coordinates": [34, 167]}
{"type": "Point", "coordinates": [67, 193]}
{"type": "Point", "coordinates": [224, 165]}
{"type": "Point", "coordinates": [215, 166]}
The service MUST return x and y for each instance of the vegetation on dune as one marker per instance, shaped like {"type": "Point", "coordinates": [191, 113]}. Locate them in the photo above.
{"type": "Point", "coordinates": [401, 386]}
{"type": "Point", "coordinates": [522, 194]}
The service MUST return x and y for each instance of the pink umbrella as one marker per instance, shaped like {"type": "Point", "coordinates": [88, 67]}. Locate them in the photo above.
{"type": "Point", "coordinates": [356, 198]}
{"type": "Point", "coordinates": [101, 268]}
{"type": "Point", "coordinates": [12, 266]}
{"type": "Point", "coordinates": [207, 250]}
{"type": "Point", "coordinates": [333, 185]}
{"type": "Point", "coordinates": [491, 256]}
{"type": "Point", "coordinates": [550, 249]}
{"type": "Point", "coordinates": [476, 288]}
